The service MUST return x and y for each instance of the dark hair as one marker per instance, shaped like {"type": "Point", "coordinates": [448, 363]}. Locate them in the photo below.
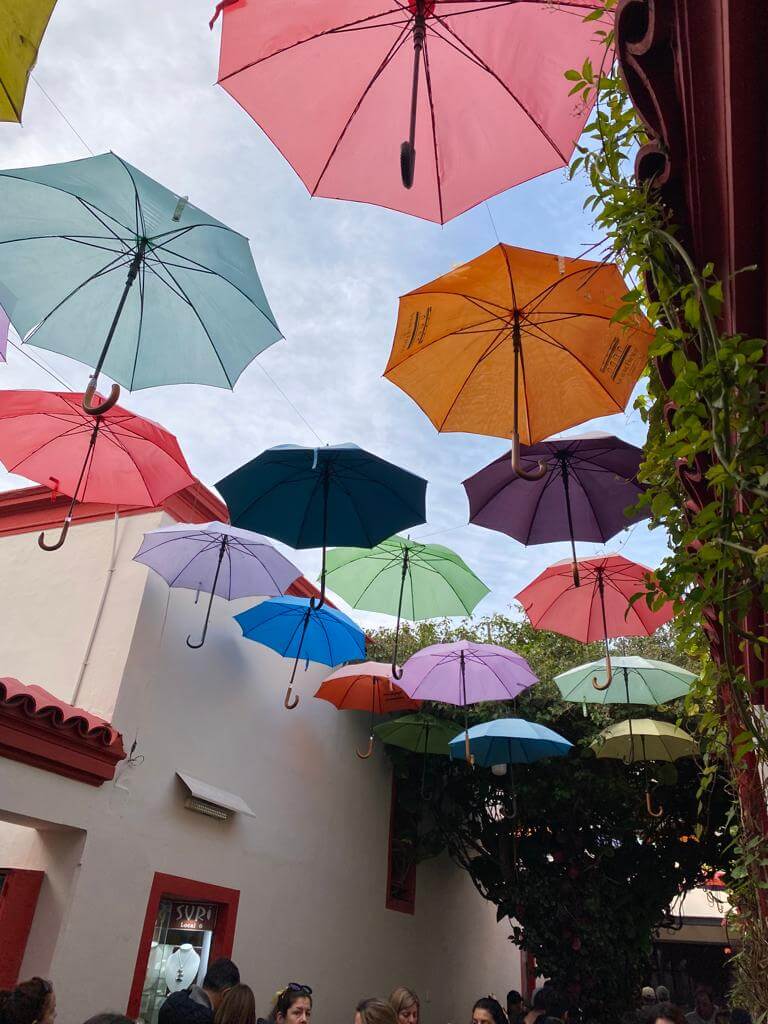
{"type": "Point", "coordinates": [668, 1011]}
{"type": "Point", "coordinates": [287, 997]}
{"type": "Point", "coordinates": [237, 1006]}
{"type": "Point", "coordinates": [26, 1003]}
{"type": "Point", "coordinates": [221, 974]}
{"type": "Point", "coordinates": [513, 996]}
{"type": "Point", "coordinates": [540, 999]}
{"type": "Point", "coordinates": [109, 1018]}
{"type": "Point", "coordinates": [376, 1011]}
{"type": "Point", "coordinates": [492, 1006]}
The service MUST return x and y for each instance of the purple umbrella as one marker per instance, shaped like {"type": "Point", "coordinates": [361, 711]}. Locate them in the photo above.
{"type": "Point", "coordinates": [465, 673]}
{"type": "Point", "coordinates": [218, 559]}
{"type": "Point", "coordinates": [591, 481]}
{"type": "Point", "coordinates": [5, 323]}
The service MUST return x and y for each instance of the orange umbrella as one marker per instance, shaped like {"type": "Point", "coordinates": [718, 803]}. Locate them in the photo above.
{"type": "Point", "coordinates": [518, 344]}
{"type": "Point", "coordinates": [366, 686]}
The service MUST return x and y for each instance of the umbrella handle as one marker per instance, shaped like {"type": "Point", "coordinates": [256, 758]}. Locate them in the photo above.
{"type": "Point", "coordinates": [576, 577]}
{"type": "Point", "coordinates": [407, 163]}
{"type": "Point", "coordinates": [397, 673]}
{"type": "Point", "coordinates": [525, 474]}
{"type": "Point", "coordinates": [368, 752]}
{"type": "Point", "coordinates": [408, 148]}
{"type": "Point", "coordinates": [99, 408]}
{"type": "Point", "coordinates": [649, 806]}
{"type": "Point", "coordinates": [287, 702]}
{"type": "Point", "coordinates": [609, 671]}
{"type": "Point", "coordinates": [60, 541]}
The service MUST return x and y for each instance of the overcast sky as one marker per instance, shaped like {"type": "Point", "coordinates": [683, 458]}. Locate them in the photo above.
{"type": "Point", "coordinates": [139, 78]}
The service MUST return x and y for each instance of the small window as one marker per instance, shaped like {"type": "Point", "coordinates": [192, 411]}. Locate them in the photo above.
{"type": "Point", "coordinates": [401, 870]}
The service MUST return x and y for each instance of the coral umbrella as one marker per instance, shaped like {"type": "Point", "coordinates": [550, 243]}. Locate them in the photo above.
{"type": "Point", "coordinates": [117, 458]}
{"type": "Point", "coordinates": [365, 687]}
{"type": "Point", "coordinates": [475, 87]}
{"type": "Point", "coordinates": [600, 608]}
{"type": "Point", "coordinates": [465, 673]}
{"type": "Point", "coordinates": [22, 25]}
{"type": "Point", "coordinates": [103, 264]}
{"type": "Point", "coordinates": [518, 344]}
{"type": "Point", "coordinates": [219, 559]}
{"type": "Point", "coordinates": [590, 484]}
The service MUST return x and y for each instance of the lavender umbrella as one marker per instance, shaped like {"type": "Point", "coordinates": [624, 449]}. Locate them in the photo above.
{"type": "Point", "coordinates": [5, 324]}
{"type": "Point", "coordinates": [216, 558]}
{"type": "Point", "coordinates": [591, 481]}
{"type": "Point", "coordinates": [465, 673]}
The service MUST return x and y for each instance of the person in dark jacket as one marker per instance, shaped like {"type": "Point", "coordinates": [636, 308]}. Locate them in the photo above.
{"type": "Point", "coordinates": [197, 1004]}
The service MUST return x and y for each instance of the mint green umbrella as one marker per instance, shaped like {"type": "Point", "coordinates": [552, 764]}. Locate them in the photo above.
{"type": "Point", "coordinates": [103, 264]}
{"type": "Point", "coordinates": [404, 578]}
{"type": "Point", "coordinates": [634, 681]}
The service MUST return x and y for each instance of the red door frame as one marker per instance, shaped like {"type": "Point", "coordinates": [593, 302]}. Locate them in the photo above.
{"type": "Point", "coordinates": [18, 900]}
{"type": "Point", "coordinates": [176, 888]}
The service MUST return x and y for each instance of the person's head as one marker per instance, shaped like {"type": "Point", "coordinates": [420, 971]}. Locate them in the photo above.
{"type": "Point", "coordinates": [374, 1011]}
{"type": "Point", "coordinates": [221, 976]}
{"type": "Point", "coordinates": [668, 1013]}
{"type": "Point", "coordinates": [702, 1002]}
{"type": "Point", "coordinates": [406, 1005]}
{"type": "Point", "coordinates": [648, 996]}
{"type": "Point", "coordinates": [109, 1018]}
{"type": "Point", "coordinates": [514, 1002]}
{"type": "Point", "coordinates": [740, 1016]}
{"type": "Point", "coordinates": [293, 1004]}
{"type": "Point", "coordinates": [31, 1002]}
{"type": "Point", "coordinates": [236, 1006]}
{"type": "Point", "coordinates": [540, 1000]}
{"type": "Point", "coordinates": [662, 994]}
{"type": "Point", "coordinates": [488, 1011]}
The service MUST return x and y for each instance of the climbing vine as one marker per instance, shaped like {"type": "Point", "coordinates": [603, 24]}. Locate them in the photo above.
{"type": "Point", "coordinates": [706, 470]}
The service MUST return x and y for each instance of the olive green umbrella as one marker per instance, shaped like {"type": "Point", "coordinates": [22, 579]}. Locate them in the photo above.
{"type": "Point", "coordinates": [22, 24]}
{"type": "Point", "coordinates": [421, 733]}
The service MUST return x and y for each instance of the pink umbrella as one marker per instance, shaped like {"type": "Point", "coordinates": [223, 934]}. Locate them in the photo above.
{"type": "Point", "coordinates": [465, 673]}
{"type": "Point", "coordinates": [476, 86]}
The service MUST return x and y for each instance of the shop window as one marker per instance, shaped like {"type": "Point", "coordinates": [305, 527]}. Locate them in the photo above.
{"type": "Point", "coordinates": [401, 868]}
{"type": "Point", "coordinates": [187, 925]}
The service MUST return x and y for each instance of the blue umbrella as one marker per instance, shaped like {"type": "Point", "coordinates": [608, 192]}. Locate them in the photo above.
{"type": "Point", "coordinates": [296, 628]}
{"type": "Point", "coordinates": [313, 497]}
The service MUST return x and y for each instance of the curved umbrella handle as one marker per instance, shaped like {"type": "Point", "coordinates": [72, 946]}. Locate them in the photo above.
{"type": "Point", "coordinates": [60, 541]}
{"type": "Point", "coordinates": [106, 405]}
{"type": "Point", "coordinates": [195, 646]}
{"type": "Point", "coordinates": [397, 673]}
{"type": "Point", "coordinates": [649, 806]}
{"type": "Point", "coordinates": [368, 752]}
{"type": "Point", "coordinates": [287, 702]}
{"type": "Point", "coordinates": [525, 474]}
{"type": "Point", "coordinates": [608, 672]}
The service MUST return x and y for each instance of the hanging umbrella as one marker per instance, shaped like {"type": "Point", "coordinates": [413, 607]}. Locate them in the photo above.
{"type": "Point", "coordinates": [313, 497]}
{"type": "Point", "coordinates": [465, 673]}
{"type": "Point", "coordinates": [518, 344]}
{"type": "Point", "coordinates": [5, 325]}
{"type": "Point", "coordinates": [365, 687]}
{"type": "Point", "coordinates": [423, 734]}
{"type": "Point", "coordinates": [600, 607]}
{"type": "Point", "coordinates": [633, 681]}
{"type": "Point", "coordinates": [296, 629]}
{"type": "Point", "coordinates": [590, 484]}
{"type": "Point", "coordinates": [476, 88]}
{"type": "Point", "coordinates": [644, 739]}
{"type": "Point", "coordinates": [216, 558]}
{"type": "Point", "coordinates": [103, 264]}
{"type": "Point", "coordinates": [117, 458]}
{"type": "Point", "coordinates": [22, 24]}
{"type": "Point", "coordinates": [404, 578]}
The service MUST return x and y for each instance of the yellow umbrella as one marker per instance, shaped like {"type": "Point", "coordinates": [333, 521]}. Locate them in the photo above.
{"type": "Point", "coordinates": [518, 344]}
{"type": "Point", "coordinates": [22, 24]}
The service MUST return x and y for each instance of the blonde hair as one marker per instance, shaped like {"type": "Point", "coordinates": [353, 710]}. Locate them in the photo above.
{"type": "Point", "coordinates": [376, 1011]}
{"type": "Point", "coordinates": [403, 999]}
{"type": "Point", "coordinates": [237, 1006]}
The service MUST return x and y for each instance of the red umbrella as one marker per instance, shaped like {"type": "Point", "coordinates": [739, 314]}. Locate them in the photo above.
{"type": "Point", "coordinates": [367, 686]}
{"type": "Point", "coordinates": [475, 86]}
{"type": "Point", "coordinates": [116, 458]}
{"type": "Point", "coordinates": [598, 609]}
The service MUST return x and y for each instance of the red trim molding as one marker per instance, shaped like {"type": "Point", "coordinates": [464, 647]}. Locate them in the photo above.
{"type": "Point", "coordinates": [401, 865]}
{"type": "Point", "coordinates": [18, 900]}
{"type": "Point", "coordinates": [176, 888]}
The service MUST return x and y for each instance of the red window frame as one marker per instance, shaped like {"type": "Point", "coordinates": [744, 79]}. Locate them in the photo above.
{"type": "Point", "coordinates": [18, 902]}
{"type": "Point", "coordinates": [173, 887]}
{"type": "Point", "coordinates": [401, 870]}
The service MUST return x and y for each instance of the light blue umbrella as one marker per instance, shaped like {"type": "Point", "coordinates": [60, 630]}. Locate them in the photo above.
{"type": "Point", "coordinates": [633, 680]}
{"type": "Point", "coordinates": [296, 629]}
{"type": "Point", "coordinates": [103, 264]}
{"type": "Point", "coordinates": [509, 741]}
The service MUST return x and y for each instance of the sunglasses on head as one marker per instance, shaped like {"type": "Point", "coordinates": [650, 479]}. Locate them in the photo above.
{"type": "Point", "coordinates": [294, 986]}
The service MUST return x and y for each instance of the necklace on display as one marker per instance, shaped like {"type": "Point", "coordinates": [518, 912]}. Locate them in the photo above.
{"type": "Point", "coordinates": [186, 956]}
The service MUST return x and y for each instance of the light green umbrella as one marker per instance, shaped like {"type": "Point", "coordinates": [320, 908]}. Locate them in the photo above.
{"type": "Point", "coordinates": [644, 739]}
{"type": "Point", "coordinates": [404, 578]}
{"type": "Point", "coordinates": [634, 681]}
{"type": "Point", "coordinates": [105, 265]}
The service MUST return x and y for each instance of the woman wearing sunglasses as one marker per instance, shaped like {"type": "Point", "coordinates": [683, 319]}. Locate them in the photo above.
{"type": "Point", "coordinates": [293, 1005]}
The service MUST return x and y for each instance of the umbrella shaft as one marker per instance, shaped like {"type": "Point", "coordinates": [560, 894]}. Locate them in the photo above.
{"type": "Point", "coordinates": [419, 34]}
{"type": "Point", "coordinates": [133, 271]}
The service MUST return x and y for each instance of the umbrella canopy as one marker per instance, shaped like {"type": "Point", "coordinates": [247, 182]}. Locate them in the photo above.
{"type": "Point", "coordinates": [518, 344]}
{"type": "Point", "coordinates": [510, 741]}
{"type": "Point", "coordinates": [5, 324]}
{"type": "Point", "coordinates": [313, 497]}
{"type": "Point", "coordinates": [405, 578]}
{"type": "Point", "coordinates": [422, 734]}
{"type": "Point", "coordinates": [103, 264]}
{"type": "Point", "coordinates": [644, 739]}
{"type": "Point", "coordinates": [365, 687]}
{"type": "Point", "coordinates": [343, 89]}
{"type": "Point", "coordinates": [216, 558]}
{"type": "Point", "coordinates": [23, 24]}
{"type": "Point", "coordinates": [590, 483]}
{"type": "Point", "coordinates": [117, 458]}
{"type": "Point", "coordinates": [296, 629]}
{"type": "Point", "coordinates": [634, 681]}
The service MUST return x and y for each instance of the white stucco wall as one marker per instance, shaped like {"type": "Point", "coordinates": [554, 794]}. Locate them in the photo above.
{"type": "Point", "coordinates": [311, 865]}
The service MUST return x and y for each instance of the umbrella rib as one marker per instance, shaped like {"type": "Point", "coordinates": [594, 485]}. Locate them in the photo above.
{"type": "Point", "coordinates": [281, 611]}
{"type": "Point", "coordinates": [11, 103]}
{"type": "Point", "coordinates": [576, 473]}
{"type": "Point", "coordinates": [630, 607]}
{"type": "Point", "coordinates": [137, 201]}
{"type": "Point", "coordinates": [428, 78]}
{"type": "Point", "coordinates": [74, 429]}
{"type": "Point", "coordinates": [90, 207]}
{"type": "Point", "coordinates": [110, 433]}
{"type": "Point", "coordinates": [488, 349]}
{"type": "Point", "coordinates": [202, 551]}
{"type": "Point", "coordinates": [391, 564]}
{"type": "Point", "coordinates": [552, 476]}
{"type": "Point", "coordinates": [536, 300]}
{"type": "Point", "coordinates": [147, 265]}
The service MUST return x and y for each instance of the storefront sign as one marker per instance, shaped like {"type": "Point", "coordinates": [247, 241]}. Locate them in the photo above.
{"type": "Point", "coordinates": [193, 916]}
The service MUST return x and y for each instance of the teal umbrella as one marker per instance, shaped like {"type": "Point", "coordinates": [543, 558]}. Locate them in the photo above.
{"type": "Point", "coordinates": [404, 578]}
{"type": "Point", "coordinates": [102, 264]}
{"type": "Point", "coordinates": [634, 681]}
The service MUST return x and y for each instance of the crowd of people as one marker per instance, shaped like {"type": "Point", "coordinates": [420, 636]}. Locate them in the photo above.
{"type": "Point", "coordinates": [224, 999]}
